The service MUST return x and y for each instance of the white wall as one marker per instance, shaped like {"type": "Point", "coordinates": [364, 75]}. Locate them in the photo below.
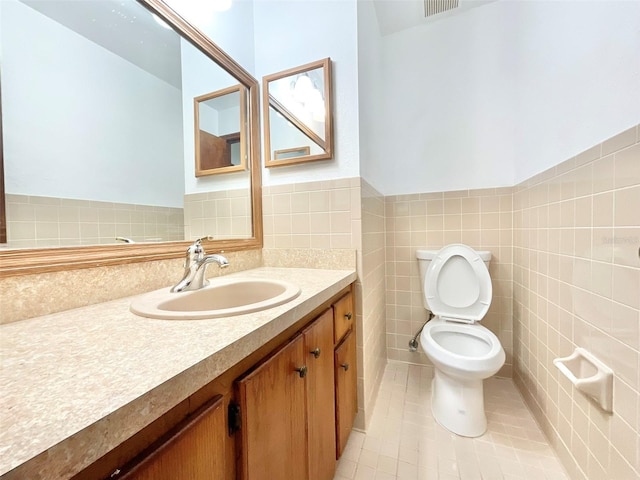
{"type": "Point", "coordinates": [207, 118]}
{"type": "Point", "coordinates": [370, 95]}
{"type": "Point", "coordinates": [284, 34]}
{"type": "Point", "coordinates": [491, 96]}
{"type": "Point", "coordinates": [199, 76]}
{"type": "Point", "coordinates": [449, 112]}
{"type": "Point", "coordinates": [53, 120]}
{"type": "Point", "coordinates": [578, 67]}
{"type": "Point", "coordinates": [231, 30]}
{"type": "Point", "coordinates": [219, 121]}
{"type": "Point", "coordinates": [291, 33]}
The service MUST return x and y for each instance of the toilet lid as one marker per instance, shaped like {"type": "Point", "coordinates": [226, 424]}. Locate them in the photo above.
{"type": "Point", "coordinates": [457, 284]}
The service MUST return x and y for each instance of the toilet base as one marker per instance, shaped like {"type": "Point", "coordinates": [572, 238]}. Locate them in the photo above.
{"type": "Point", "coordinates": [458, 405]}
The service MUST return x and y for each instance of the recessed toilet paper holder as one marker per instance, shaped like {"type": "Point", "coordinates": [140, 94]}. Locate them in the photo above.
{"type": "Point", "coordinates": [589, 375]}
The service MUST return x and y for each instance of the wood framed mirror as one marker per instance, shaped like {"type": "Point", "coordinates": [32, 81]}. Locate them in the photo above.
{"type": "Point", "coordinates": [220, 131]}
{"type": "Point", "coordinates": [297, 114]}
{"type": "Point", "coordinates": [183, 63]}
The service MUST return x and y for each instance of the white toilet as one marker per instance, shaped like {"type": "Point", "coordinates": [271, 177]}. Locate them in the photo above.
{"type": "Point", "coordinates": [457, 289]}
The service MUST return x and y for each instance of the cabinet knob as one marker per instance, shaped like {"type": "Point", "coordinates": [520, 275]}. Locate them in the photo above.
{"type": "Point", "coordinates": [348, 316]}
{"type": "Point", "coordinates": [302, 371]}
{"type": "Point", "coordinates": [315, 352]}
{"type": "Point", "coordinates": [345, 366]}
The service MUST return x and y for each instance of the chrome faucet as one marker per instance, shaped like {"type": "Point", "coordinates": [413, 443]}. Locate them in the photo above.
{"type": "Point", "coordinates": [195, 266]}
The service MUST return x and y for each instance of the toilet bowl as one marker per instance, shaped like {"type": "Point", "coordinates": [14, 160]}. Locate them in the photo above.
{"type": "Point", "coordinates": [457, 289]}
{"type": "Point", "coordinates": [462, 356]}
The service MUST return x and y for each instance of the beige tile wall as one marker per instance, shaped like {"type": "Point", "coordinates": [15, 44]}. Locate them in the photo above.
{"type": "Point", "coordinates": [323, 214]}
{"type": "Point", "coordinates": [481, 219]}
{"type": "Point", "coordinates": [332, 215]}
{"type": "Point", "coordinates": [224, 214]}
{"type": "Point", "coordinates": [373, 294]}
{"type": "Point", "coordinates": [50, 222]}
{"type": "Point", "coordinates": [577, 284]}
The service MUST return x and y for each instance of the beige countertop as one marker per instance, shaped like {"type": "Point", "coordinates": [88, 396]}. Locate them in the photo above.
{"type": "Point", "coordinates": [75, 384]}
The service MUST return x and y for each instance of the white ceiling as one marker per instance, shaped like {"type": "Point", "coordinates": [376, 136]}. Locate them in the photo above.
{"type": "Point", "coordinates": [397, 15]}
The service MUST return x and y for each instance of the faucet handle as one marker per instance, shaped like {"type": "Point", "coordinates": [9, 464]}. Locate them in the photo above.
{"type": "Point", "coordinates": [197, 244]}
{"type": "Point", "coordinates": [195, 247]}
{"type": "Point", "coordinates": [195, 252]}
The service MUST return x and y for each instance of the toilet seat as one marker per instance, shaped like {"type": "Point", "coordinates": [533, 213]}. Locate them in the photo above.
{"type": "Point", "coordinates": [457, 285]}
{"type": "Point", "coordinates": [485, 362]}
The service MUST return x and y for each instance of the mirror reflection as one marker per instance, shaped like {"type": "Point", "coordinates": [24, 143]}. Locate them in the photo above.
{"type": "Point", "coordinates": [297, 114]}
{"type": "Point", "coordinates": [98, 129]}
{"type": "Point", "coordinates": [220, 119]}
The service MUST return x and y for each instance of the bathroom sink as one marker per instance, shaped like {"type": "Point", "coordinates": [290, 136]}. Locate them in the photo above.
{"type": "Point", "coordinates": [221, 298]}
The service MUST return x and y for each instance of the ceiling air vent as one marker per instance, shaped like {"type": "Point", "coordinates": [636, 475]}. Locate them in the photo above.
{"type": "Point", "coordinates": [433, 7]}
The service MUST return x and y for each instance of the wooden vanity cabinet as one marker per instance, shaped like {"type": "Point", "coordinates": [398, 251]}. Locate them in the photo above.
{"type": "Point", "coordinates": [292, 399]}
{"type": "Point", "coordinates": [284, 405]}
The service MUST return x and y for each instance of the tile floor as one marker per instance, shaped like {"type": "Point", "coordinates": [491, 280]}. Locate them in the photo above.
{"type": "Point", "coordinates": [404, 442]}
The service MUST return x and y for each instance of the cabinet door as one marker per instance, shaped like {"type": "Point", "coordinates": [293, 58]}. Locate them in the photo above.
{"type": "Point", "coordinates": [346, 394]}
{"type": "Point", "coordinates": [273, 417]}
{"type": "Point", "coordinates": [194, 450]}
{"type": "Point", "coordinates": [318, 340]}
{"type": "Point", "coordinates": [344, 316]}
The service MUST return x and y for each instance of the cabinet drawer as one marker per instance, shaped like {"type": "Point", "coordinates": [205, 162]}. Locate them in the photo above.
{"type": "Point", "coordinates": [343, 317]}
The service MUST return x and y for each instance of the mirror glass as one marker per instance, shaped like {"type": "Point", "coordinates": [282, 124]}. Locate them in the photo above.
{"type": "Point", "coordinates": [219, 130]}
{"type": "Point", "coordinates": [297, 114]}
{"type": "Point", "coordinates": [98, 122]}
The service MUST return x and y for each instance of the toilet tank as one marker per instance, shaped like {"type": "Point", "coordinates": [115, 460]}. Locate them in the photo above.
{"type": "Point", "coordinates": [424, 259]}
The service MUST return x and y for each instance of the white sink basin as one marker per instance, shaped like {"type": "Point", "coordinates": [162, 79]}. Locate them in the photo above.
{"type": "Point", "coordinates": [221, 298]}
